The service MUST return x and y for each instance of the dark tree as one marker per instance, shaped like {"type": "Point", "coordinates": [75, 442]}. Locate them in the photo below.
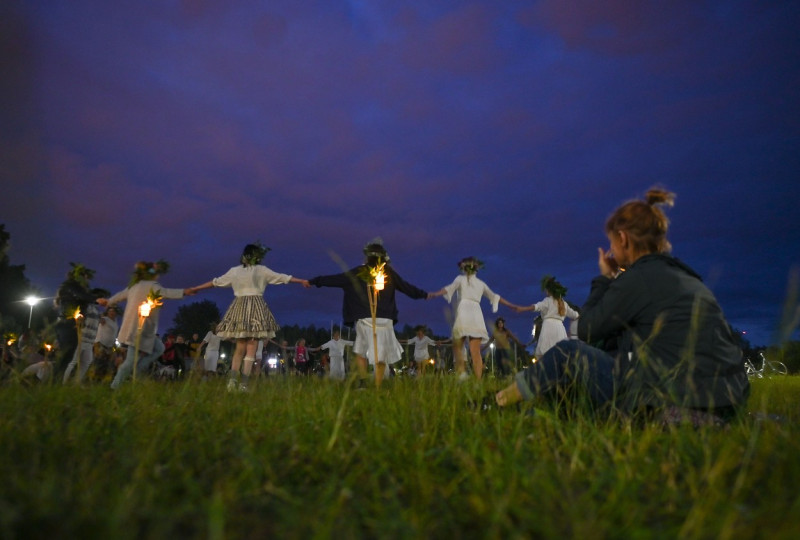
{"type": "Point", "coordinates": [15, 287]}
{"type": "Point", "coordinates": [196, 317]}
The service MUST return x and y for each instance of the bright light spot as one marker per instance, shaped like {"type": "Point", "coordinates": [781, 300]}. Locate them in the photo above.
{"type": "Point", "coordinates": [144, 309]}
{"type": "Point", "coordinates": [272, 362]}
{"type": "Point", "coordinates": [32, 300]}
{"type": "Point", "coordinates": [380, 281]}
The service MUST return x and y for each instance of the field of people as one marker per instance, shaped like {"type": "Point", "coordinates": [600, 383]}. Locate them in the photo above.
{"type": "Point", "coordinates": [299, 457]}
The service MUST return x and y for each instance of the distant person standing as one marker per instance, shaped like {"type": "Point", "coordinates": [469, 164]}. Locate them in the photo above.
{"type": "Point", "coordinates": [421, 342]}
{"type": "Point", "coordinates": [73, 294]}
{"type": "Point", "coordinates": [502, 338]}
{"type": "Point", "coordinates": [335, 348]}
{"type": "Point", "coordinates": [554, 310]}
{"type": "Point", "coordinates": [84, 353]}
{"type": "Point", "coordinates": [212, 343]}
{"type": "Point", "coordinates": [104, 343]}
{"type": "Point", "coordinates": [469, 326]}
{"type": "Point", "coordinates": [248, 318]}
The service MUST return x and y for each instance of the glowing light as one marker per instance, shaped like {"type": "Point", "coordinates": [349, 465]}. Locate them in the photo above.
{"type": "Point", "coordinates": [380, 280]}
{"type": "Point", "coordinates": [77, 315]}
{"type": "Point", "coordinates": [48, 347]}
{"type": "Point", "coordinates": [431, 361]}
{"type": "Point", "coordinates": [32, 300]}
{"type": "Point", "coordinates": [145, 308]}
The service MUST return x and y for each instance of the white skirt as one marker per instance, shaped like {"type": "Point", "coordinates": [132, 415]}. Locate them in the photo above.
{"type": "Point", "coordinates": [469, 322]}
{"type": "Point", "coordinates": [389, 349]}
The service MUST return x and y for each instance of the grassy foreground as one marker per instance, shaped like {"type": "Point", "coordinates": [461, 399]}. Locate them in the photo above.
{"type": "Point", "coordinates": [299, 458]}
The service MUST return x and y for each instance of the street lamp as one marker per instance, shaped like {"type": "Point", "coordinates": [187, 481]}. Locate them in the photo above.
{"type": "Point", "coordinates": [31, 301]}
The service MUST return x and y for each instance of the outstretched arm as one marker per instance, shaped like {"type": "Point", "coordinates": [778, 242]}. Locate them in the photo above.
{"type": "Point", "coordinates": [440, 292]}
{"type": "Point", "coordinates": [206, 285]}
{"type": "Point", "coordinates": [506, 303]}
{"type": "Point", "coordinates": [303, 282]}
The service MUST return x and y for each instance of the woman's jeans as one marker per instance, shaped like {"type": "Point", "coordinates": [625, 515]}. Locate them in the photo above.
{"type": "Point", "coordinates": [570, 365]}
{"type": "Point", "coordinates": [126, 368]}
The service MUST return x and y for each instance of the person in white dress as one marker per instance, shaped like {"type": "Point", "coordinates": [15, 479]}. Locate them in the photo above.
{"type": "Point", "coordinates": [335, 349]}
{"type": "Point", "coordinates": [553, 310]}
{"type": "Point", "coordinates": [421, 342]}
{"type": "Point", "coordinates": [143, 284]}
{"type": "Point", "coordinates": [469, 325]}
{"type": "Point", "coordinates": [211, 354]}
{"type": "Point", "coordinates": [248, 318]}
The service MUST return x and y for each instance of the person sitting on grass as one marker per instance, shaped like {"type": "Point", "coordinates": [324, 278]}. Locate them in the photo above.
{"type": "Point", "coordinates": [676, 358]}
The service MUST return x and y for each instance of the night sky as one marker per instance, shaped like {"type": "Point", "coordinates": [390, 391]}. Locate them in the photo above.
{"type": "Point", "coordinates": [506, 130]}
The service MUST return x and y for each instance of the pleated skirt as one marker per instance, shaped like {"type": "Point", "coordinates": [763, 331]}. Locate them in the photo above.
{"type": "Point", "coordinates": [248, 317]}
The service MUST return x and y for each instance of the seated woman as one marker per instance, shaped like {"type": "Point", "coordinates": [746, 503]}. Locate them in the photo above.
{"type": "Point", "coordinates": [675, 354]}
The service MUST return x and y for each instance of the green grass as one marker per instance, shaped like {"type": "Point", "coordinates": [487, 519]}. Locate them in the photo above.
{"type": "Point", "coordinates": [299, 458]}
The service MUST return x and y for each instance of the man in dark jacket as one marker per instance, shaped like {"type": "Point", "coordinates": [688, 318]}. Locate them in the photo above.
{"type": "Point", "coordinates": [356, 308]}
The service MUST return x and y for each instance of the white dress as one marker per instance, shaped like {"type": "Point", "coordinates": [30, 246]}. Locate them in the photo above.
{"type": "Point", "coordinates": [553, 329]}
{"type": "Point", "coordinates": [336, 352]}
{"type": "Point", "coordinates": [211, 356]}
{"type": "Point", "coordinates": [421, 347]}
{"type": "Point", "coordinates": [469, 318]}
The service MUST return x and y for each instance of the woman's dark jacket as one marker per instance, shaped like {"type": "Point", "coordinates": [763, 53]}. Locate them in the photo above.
{"type": "Point", "coordinates": [356, 303]}
{"type": "Point", "coordinates": [674, 345]}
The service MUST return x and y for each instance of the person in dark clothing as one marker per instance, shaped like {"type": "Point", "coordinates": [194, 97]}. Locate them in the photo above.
{"type": "Point", "coordinates": [675, 353]}
{"type": "Point", "coordinates": [73, 294]}
{"type": "Point", "coordinates": [356, 310]}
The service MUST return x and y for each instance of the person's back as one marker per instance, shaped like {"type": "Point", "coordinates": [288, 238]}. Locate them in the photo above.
{"type": "Point", "coordinates": [675, 330]}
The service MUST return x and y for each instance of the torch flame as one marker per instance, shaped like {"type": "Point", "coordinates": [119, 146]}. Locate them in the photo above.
{"type": "Point", "coordinates": [378, 277]}
{"type": "Point", "coordinates": [380, 281]}
{"type": "Point", "coordinates": [145, 308]}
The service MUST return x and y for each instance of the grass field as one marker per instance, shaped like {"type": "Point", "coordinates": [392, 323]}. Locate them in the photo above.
{"type": "Point", "coordinates": [300, 458]}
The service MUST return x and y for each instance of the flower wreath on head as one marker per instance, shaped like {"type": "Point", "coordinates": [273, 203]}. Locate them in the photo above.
{"type": "Point", "coordinates": [258, 251]}
{"type": "Point", "coordinates": [556, 289]}
{"type": "Point", "coordinates": [146, 270]}
{"type": "Point", "coordinates": [373, 250]}
{"type": "Point", "coordinates": [79, 272]}
{"type": "Point", "coordinates": [470, 265]}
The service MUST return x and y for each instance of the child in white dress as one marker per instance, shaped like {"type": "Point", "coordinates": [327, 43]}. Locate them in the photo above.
{"type": "Point", "coordinates": [554, 310]}
{"type": "Point", "coordinates": [248, 318]}
{"type": "Point", "coordinates": [469, 325]}
{"type": "Point", "coordinates": [335, 349]}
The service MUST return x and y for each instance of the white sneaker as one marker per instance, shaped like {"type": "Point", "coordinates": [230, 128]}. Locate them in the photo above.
{"type": "Point", "coordinates": [231, 385]}
{"type": "Point", "coordinates": [463, 376]}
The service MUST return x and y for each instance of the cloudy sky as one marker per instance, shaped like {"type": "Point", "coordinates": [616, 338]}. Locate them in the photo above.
{"type": "Point", "coordinates": [506, 130]}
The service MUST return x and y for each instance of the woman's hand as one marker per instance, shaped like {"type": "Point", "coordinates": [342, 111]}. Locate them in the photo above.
{"type": "Point", "coordinates": [607, 263]}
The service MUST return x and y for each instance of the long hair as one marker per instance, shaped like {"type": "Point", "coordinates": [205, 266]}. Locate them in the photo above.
{"type": "Point", "coordinates": [555, 289]}
{"type": "Point", "coordinates": [644, 222]}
